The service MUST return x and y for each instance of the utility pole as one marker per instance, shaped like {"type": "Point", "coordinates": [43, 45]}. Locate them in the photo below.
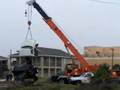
{"type": "Point", "coordinates": [9, 61]}
{"type": "Point", "coordinates": [112, 58]}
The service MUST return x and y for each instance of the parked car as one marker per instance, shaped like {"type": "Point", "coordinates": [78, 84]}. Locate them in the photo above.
{"type": "Point", "coordinates": [83, 78]}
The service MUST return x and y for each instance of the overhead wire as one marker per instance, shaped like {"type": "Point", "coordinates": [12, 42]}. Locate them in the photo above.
{"type": "Point", "coordinates": [105, 2]}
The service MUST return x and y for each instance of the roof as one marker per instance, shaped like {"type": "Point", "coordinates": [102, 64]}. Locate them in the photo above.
{"type": "Point", "coordinates": [49, 52]}
{"type": "Point", "coordinates": [3, 58]}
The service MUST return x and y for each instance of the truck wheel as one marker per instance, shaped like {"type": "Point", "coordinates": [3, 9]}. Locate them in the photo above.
{"type": "Point", "coordinates": [54, 78]}
{"type": "Point", "coordinates": [66, 81]}
{"type": "Point", "coordinates": [78, 82]}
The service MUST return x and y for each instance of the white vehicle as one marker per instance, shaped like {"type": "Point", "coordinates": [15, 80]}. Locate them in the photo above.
{"type": "Point", "coordinates": [84, 78]}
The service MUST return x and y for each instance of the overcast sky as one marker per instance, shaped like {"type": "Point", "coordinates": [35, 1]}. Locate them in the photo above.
{"type": "Point", "coordinates": [84, 21]}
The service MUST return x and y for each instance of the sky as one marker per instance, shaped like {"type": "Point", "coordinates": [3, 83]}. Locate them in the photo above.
{"type": "Point", "coordinates": [84, 22]}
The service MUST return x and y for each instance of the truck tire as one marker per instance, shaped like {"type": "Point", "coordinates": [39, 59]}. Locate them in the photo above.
{"type": "Point", "coordinates": [54, 78]}
{"type": "Point", "coordinates": [66, 81]}
{"type": "Point", "coordinates": [78, 82]}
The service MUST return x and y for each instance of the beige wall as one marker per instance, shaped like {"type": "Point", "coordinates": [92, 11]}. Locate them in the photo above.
{"type": "Point", "coordinates": [101, 55]}
{"type": "Point", "coordinates": [103, 60]}
{"type": "Point", "coordinates": [101, 51]}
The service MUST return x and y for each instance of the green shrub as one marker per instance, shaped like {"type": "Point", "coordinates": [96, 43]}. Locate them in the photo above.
{"type": "Point", "coordinates": [103, 73]}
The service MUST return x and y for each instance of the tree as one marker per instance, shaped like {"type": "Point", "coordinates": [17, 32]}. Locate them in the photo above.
{"type": "Point", "coordinates": [103, 73]}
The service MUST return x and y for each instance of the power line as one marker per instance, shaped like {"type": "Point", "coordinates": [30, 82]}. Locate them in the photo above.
{"type": "Point", "coordinates": [105, 2]}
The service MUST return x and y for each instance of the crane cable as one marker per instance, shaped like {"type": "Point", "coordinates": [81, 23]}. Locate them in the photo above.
{"type": "Point", "coordinates": [28, 14]}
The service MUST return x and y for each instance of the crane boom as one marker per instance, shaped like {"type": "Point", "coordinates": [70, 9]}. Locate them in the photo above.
{"type": "Point", "coordinates": [59, 33]}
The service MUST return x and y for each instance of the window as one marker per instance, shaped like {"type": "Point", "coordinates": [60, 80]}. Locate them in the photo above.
{"type": "Point", "coordinates": [52, 61]}
{"type": "Point", "coordinates": [4, 62]}
{"type": "Point", "coordinates": [39, 71]}
{"type": "Point", "coordinates": [36, 61]}
{"type": "Point", "coordinates": [45, 71]}
{"type": "Point", "coordinates": [58, 62]}
{"type": "Point", "coordinates": [27, 47]}
{"type": "Point", "coordinates": [88, 75]}
{"type": "Point", "coordinates": [97, 53]}
{"type": "Point", "coordinates": [23, 61]}
{"type": "Point", "coordinates": [52, 72]}
{"type": "Point", "coordinates": [58, 71]}
{"type": "Point", "coordinates": [46, 61]}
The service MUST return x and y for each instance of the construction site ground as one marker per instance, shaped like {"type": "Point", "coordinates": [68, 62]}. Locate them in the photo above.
{"type": "Point", "coordinates": [45, 84]}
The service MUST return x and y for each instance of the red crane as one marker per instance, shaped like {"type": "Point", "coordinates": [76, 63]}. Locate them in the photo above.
{"type": "Point", "coordinates": [65, 40]}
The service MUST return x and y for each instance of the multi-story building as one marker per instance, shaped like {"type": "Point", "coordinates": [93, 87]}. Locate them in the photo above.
{"type": "Point", "coordinates": [49, 61]}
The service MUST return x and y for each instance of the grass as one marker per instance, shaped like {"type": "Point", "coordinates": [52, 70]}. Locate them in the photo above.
{"type": "Point", "coordinates": [44, 84]}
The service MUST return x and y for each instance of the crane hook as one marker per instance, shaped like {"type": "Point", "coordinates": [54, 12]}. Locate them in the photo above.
{"type": "Point", "coordinates": [25, 13]}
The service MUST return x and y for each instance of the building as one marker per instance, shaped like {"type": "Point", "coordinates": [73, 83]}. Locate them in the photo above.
{"type": "Point", "coordinates": [3, 66]}
{"type": "Point", "coordinates": [49, 61]}
{"type": "Point", "coordinates": [102, 55]}
{"type": "Point", "coordinates": [96, 51]}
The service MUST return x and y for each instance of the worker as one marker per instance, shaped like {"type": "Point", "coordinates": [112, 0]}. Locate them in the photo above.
{"type": "Point", "coordinates": [9, 76]}
{"type": "Point", "coordinates": [36, 50]}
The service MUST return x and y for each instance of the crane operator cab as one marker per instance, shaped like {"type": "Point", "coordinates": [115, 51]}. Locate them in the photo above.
{"type": "Point", "coordinates": [29, 48]}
